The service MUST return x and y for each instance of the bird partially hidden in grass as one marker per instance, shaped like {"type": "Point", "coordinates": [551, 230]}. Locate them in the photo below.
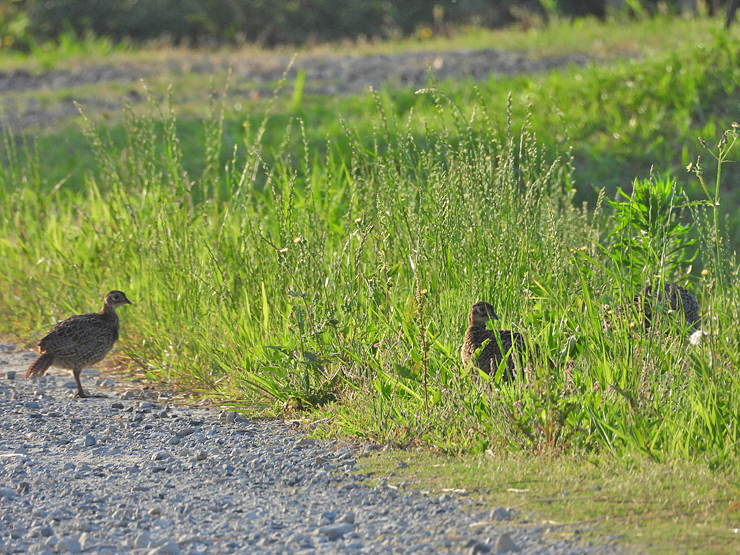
{"type": "Point", "coordinates": [485, 349]}
{"type": "Point", "coordinates": [80, 341]}
{"type": "Point", "coordinates": [673, 298]}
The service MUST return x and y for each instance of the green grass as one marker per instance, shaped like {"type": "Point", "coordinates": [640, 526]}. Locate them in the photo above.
{"type": "Point", "coordinates": [603, 40]}
{"type": "Point", "coordinates": [323, 253]}
{"type": "Point", "coordinates": [619, 119]}
{"type": "Point", "coordinates": [325, 276]}
{"type": "Point", "coordinates": [651, 508]}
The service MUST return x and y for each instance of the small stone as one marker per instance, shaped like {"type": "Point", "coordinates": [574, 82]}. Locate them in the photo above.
{"type": "Point", "coordinates": [128, 395]}
{"type": "Point", "coordinates": [70, 385]}
{"type": "Point", "coordinates": [477, 547]}
{"type": "Point", "coordinates": [327, 517]}
{"type": "Point", "coordinates": [121, 514]}
{"type": "Point", "coordinates": [160, 456]}
{"type": "Point", "coordinates": [154, 511]}
{"type": "Point", "coordinates": [142, 540]}
{"type": "Point", "coordinates": [85, 541]}
{"type": "Point", "coordinates": [301, 540]}
{"type": "Point", "coordinates": [504, 543]}
{"type": "Point", "coordinates": [90, 440]}
{"type": "Point", "coordinates": [7, 493]}
{"type": "Point", "coordinates": [23, 487]}
{"type": "Point", "coordinates": [10, 375]}
{"type": "Point", "coordinates": [167, 548]}
{"type": "Point", "coordinates": [116, 405]}
{"type": "Point", "coordinates": [335, 531]}
{"type": "Point", "coordinates": [174, 440]}
{"type": "Point", "coordinates": [69, 466]}
{"type": "Point", "coordinates": [32, 405]}
{"type": "Point", "coordinates": [201, 455]}
{"type": "Point", "coordinates": [500, 513]}
{"type": "Point", "coordinates": [69, 545]}
{"type": "Point", "coordinates": [347, 517]}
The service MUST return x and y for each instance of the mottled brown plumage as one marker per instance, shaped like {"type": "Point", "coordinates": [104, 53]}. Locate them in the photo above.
{"type": "Point", "coordinates": [497, 343]}
{"type": "Point", "coordinates": [80, 341]}
{"type": "Point", "coordinates": [674, 298]}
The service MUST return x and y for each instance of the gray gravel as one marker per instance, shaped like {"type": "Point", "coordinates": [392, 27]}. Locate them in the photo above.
{"type": "Point", "coordinates": [135, 474]}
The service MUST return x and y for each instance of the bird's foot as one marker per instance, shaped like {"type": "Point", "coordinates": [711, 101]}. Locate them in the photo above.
{"type": "Point", "coordinates": [90, 396]}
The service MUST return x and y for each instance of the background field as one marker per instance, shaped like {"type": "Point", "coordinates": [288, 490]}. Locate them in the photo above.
{"type": "Point", "coordinates": [317, 251]}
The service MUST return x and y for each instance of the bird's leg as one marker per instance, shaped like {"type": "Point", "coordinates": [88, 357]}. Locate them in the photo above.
{"type": "Point", "coordinates": [80, 391]}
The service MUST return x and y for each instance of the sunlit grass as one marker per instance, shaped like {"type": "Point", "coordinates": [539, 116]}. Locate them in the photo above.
{"type": "Point", "coordinates": [619, 120]}
{"type": "Point", "coordinates": [340, 278]}
{"type": "Point", "coordinates": [602, 40]}
{"type": "Point", "coordinates": [673, 507]}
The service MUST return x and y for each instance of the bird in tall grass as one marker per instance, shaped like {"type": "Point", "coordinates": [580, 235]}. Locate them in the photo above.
{"type": "Point", "coordinates": [674, 298]}
{"type": "Point", "coordinates": [80, 341]}
{"type": "Point", "coordinates": [491, 346]}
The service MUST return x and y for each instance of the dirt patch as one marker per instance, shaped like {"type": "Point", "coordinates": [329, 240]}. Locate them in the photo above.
{"type": "Point", "coordinates": [324, 75]}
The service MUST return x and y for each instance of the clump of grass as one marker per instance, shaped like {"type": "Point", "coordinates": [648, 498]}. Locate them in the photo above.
{"type": "Point", "coordinates": [341, 283]}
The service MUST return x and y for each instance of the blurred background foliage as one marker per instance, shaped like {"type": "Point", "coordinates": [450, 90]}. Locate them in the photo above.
{"type": "Point", "coordinates": [28, 23]}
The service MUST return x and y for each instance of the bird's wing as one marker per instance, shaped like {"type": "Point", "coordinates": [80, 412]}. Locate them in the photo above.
{"type": "Point", "coordinates": [77, 335]}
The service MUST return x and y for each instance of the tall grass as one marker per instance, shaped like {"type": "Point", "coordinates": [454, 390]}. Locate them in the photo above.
{"type": "Point", "coordinates": [343, 282]}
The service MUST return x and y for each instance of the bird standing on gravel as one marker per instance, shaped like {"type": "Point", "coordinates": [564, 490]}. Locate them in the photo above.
{"type": "Point", "coordinates": [495, 344]}
{"type": "Point", "coordinates": [80, 341]}
{"type": "Point", "coordinates": [674, 297]}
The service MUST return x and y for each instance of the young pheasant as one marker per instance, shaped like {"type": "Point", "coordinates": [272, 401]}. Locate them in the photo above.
{"type": "Point", "coordinates": [80, 341]}
{"type": "Point", "coordinates": [491, 355]}
{"type": "Point", "coordinates": [674, 297]}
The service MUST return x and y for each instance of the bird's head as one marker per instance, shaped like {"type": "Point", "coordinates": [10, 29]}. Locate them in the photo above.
{"type": "Point", "coordinates": [114, 299]}
{"type": "Point", "coordinates": [480, 313]}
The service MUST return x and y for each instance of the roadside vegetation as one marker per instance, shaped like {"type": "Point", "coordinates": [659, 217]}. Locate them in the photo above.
{"type": "Point", "coordinates": [323, 255]}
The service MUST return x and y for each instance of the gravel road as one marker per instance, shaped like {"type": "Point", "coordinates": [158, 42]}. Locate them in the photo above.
{"type": "Point", "coordinates": [133, 473]}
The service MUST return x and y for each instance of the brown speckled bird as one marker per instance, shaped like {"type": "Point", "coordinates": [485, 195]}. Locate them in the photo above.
{"type": "Point", "coordinates": [80, 341]}
{"type": "Point", "coordinates": [674, 298]}
{"type": "Point", "coordinates": [491, 356]}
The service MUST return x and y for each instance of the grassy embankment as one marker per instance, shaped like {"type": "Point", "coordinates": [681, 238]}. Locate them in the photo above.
{"type": "Point", "coordinates": [329, 262]}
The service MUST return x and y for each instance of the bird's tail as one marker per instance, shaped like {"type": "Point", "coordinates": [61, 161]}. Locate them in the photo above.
{"type": "Point", "coordinates": [40, 366]}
